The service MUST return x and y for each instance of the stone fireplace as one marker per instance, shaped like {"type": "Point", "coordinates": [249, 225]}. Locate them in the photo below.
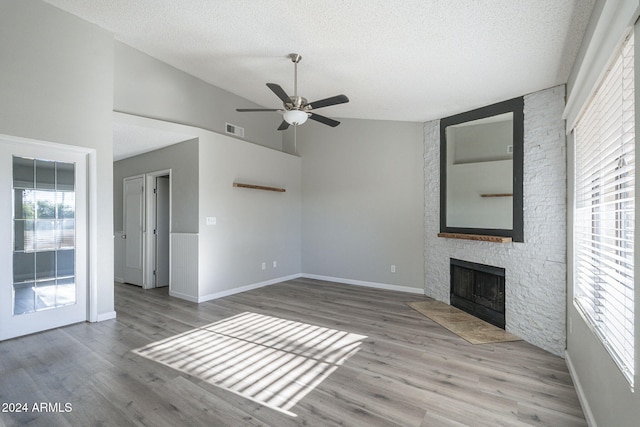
{"type": "Point", "coordinates": [478, 289]}
{"type": "Point", "coordinates": [535, 270]}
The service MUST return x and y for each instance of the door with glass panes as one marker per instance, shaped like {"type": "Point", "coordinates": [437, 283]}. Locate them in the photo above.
{"type": "Point", "coordinates": [43, 237]}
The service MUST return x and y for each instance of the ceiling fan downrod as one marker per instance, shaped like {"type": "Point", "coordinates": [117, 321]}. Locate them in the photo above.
{"type": "Point", "coordinates": [295, 58]}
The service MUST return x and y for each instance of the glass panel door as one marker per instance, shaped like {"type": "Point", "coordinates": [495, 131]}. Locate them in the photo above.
{"type": "Point", "coordinates": [43, 236]}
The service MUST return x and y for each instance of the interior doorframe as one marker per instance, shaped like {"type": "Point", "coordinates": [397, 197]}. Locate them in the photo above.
{"type": "Point", "coordinates": [149, 251]}
{"type": "Point", "coordinates": [91, 220]}
{"type": "Point", "coordinates": [144, 222]}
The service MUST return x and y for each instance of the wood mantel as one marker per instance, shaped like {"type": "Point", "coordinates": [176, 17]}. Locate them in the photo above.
{"type": "Point", "coordinates": [477, 237]}
{"type": "Point", "coordinates": [258, 187]}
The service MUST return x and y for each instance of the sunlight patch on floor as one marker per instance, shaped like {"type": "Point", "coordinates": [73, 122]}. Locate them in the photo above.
{"type": "Point", "coordinates": [272, 361]}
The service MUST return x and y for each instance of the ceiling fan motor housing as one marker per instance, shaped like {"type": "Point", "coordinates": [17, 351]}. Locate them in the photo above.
{"type": "Point", "coordinates": [297, 103]}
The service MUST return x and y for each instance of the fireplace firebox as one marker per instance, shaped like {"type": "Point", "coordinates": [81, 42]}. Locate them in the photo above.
{"type": "Point", "coordinates": [478, 289]}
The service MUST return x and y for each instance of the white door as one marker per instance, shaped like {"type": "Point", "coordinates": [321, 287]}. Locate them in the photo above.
{"type": "Point", "coordinates": [43, 237]}
{"type": "Point", "coordinates": [162, 231]}
{"type": "Point", "coordinates": [134, 230]}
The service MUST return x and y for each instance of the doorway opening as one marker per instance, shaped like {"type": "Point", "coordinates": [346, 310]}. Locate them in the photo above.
{"type": "Point", "coordinates": [160, 225]}
{"type": "Point", "coordinates": [147, 229]}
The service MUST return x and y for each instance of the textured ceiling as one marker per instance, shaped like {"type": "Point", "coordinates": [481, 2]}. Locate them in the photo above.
{"type": "Point", "coordinates": [413, 60]}
{"type": "Point", "coordinates": [130, 140]}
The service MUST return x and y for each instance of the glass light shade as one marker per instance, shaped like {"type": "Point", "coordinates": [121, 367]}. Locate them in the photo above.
{"type": "Point", "coordinates": [295, 117]}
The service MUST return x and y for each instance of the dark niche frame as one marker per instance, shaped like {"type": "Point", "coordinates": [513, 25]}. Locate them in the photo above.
{"type": "Point", "coordinates": [515, 106]}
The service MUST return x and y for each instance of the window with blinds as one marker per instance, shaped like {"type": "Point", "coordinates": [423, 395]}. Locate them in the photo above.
{"type": "Point", "coordinates": [605, 210]}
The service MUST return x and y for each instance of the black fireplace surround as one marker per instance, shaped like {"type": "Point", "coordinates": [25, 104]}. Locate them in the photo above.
{"type": "Point", "coordinates": [478, 289]}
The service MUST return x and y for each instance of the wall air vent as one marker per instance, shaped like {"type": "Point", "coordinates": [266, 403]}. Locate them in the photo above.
{"type": "Point", "coordinates": [234, 130]}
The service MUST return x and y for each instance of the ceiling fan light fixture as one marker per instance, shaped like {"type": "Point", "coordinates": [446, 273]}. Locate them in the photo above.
{"type": "Point", "coordinates": [295, 117]}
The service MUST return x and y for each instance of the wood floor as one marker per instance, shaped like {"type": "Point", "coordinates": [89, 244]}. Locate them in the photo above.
{"type": "Point", "coordinates": [409, 371]}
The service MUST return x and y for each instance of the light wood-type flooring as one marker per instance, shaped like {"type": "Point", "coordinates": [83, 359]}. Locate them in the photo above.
{"type": "Point", "coordinates": [408, 371]}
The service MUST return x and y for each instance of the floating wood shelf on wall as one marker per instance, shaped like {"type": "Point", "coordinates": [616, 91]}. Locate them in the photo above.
{"type": "Point", "coordinates": [478, 237]}
{"type": "Point", "coordinates": [259, 187]}
{"type": "Point", "coordinates": [497, 195]}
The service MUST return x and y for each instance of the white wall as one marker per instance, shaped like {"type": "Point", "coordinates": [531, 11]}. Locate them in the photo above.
{"type": "Point", "coordinates": [362, 202]}
{"type": "Point", "coordinates": [535, 276]}
{"type": "Point", "coordinates": [604, 393]}
{"type": "Point", "coordinates": [150, 88]}
{"type": "Point", "coordinates": [56, 82]}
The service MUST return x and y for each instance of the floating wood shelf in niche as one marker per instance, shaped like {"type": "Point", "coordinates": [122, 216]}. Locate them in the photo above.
{"type": "Point", "coordinates": [259, 187]}
{"type": "Point", "coordinates": [478, 237]}
{"type": "Point", "coordinates": [497, 195]}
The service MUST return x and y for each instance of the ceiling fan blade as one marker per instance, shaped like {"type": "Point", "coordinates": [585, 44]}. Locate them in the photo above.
{"type": "Point", "coordinates": [338, 99]}
{"type": "Point", "coordinates": [324, 120]}
{"type": "Point", "coordinates": [280, 93]}
{"type": "Point", "coordinates": [245, 110]}
{"type": "Point", "coordinates": [284, 125]}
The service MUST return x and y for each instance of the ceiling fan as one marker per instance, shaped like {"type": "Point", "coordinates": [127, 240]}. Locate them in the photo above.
{"type": "Point", "coordinates": [296, 109]}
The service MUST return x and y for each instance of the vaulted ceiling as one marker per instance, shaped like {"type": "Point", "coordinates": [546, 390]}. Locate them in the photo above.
{"type": "Point", "coordinates": [412, 60]}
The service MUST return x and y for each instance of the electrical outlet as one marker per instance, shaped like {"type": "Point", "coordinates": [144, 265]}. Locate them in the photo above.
{"type": "Point", "coordinates": [275, 264]}
{"type": "Point", "coordinates": [264, 265]}
{"type": "Point", "coordinates": [393, 268]}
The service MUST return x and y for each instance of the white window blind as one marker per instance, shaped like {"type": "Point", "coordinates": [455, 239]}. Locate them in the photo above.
{"type": "Point", "coordinates": [605, 210]}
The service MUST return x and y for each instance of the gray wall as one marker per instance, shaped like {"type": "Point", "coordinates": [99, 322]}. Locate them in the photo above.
{"type": "Point", "coordinates": [362, 186]}
{"type": "Point", "coordinates": [57, 85]}
{"type": "Point", "coordinates": [183, 161]}
{"type": "Point", "coordinates": [252, 226]}
{"type": "Point", "coordinates": [481, 142]}
{"type": "Point", "coordinates": [604, 392]}
{"type": "Point", "coordinates": [148, 87]}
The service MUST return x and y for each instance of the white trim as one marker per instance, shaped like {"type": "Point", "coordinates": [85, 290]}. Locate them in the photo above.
{"type": "Point", "coordinates": [144, 224]}
{"type": "Point", "coordinates": [92, 234]}
{"type": "Point", "coordinates": [591, 421]}
{"type": "Point", "coordinates": [91, 220]}
{"type": "Point", "coordinates": [376, 285]}
{"type": "Point", "coordinates": [246, 288]}
{"type": "Point", "coordinates": [183, 296]}
{"type": "Point", "coordinates": [615, 21]}
{"type": "Point", "coordinates": [222, 294]}
{"type": "Point", "coordinates": [118, 279]}
{"type": "Point", "coordinates": [106, 316]}
{"type": "Point", "coordinates": [149, 249]}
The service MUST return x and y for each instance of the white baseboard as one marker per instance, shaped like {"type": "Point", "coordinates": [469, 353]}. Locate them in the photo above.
{"type": "Point", "coordinates": [106, 316]}
{"type": "Point", "coordinates": [183, 296]}
{"type": "Point", "coordinates": [118, 279]}
{"type": "Point", "coordinates": [581, 396]}
{"type": "Point", "coordinates": [247, 288]}
{"type": "Point", "coordinates": [376, 285]}
{"type": "Point", "coordinates": [252, 286]}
